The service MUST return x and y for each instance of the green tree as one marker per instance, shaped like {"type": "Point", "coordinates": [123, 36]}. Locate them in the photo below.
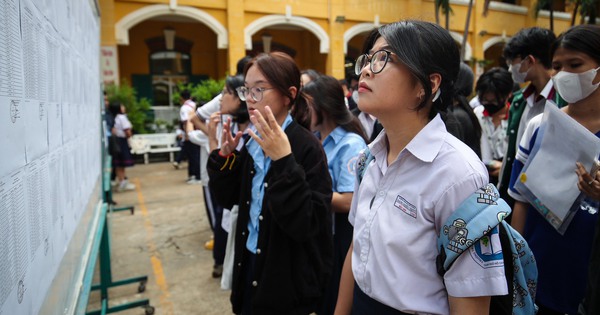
{"type": "Point", "coordinates": [545, 4]}
{"type": "Point", "coordinates": [444, 6]}
{"type": "Point", "coordinates": [201, 92]}
{"type": "Point", "coordinates": [589, 9]}
{"type": "Point", "coordinates": [137, 110]}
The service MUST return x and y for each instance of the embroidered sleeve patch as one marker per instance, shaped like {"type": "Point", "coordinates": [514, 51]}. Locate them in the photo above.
{"type": "Point", "coordinates": [488, 252]}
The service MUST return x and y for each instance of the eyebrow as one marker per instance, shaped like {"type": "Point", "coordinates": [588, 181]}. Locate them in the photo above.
{"type": "Point", "coordinates": [385, 47]}
{"type": "Point", "coordinates": [257, 82]}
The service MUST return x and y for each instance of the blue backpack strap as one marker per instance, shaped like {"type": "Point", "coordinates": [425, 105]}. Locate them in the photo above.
{"type": "Point", "coordinates": [477, 216]}
{"type": "Point", "coordinates": [364, 159]}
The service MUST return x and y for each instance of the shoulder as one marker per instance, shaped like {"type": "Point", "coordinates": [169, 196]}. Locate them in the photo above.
{"type": "Point", "coordinates": [458, 162]}
{"type": "Point", "coordinates": [301, 138]}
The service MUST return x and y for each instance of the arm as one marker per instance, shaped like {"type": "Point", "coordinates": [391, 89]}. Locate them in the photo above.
{"type": "Point", "coordinates": [479, 305]}
{"type": "Point", "coordinates": [198, 123]}
{"type": "Point", "coordinates": [518, 216]}
{"type": "Point", "coordinates": [340, 202]}
{"type": "Point", "coordinates": [346, 291]}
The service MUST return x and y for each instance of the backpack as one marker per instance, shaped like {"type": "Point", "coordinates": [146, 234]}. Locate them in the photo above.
{"type": "Point", "coordinates": [480, 218]}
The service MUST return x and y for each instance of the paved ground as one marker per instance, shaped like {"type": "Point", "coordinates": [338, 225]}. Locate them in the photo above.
{"type": "Point", "coordinates": [164, 239]}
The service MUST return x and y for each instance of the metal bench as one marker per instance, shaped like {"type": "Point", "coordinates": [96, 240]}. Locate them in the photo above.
{"type": "Point", "coordinates": [154, 143]}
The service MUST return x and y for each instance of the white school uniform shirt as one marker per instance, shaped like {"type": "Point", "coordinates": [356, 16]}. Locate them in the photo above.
{"type": "Point", "coordinates": [533, 109]}
{"type": "Point", "coordinates": [494, 141]}
{"type": "Point", "coordinates": [121, 124]}
{"type": "Point", "coordinates": [213, 106]}
{"type": "Point", "coordinates": [185, 110]}
{"type": "Point", "coordinates": [397, 212]}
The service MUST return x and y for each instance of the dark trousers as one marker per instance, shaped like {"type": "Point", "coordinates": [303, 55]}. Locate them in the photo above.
{"type": "Point", "coordinates": [362, 304]}
{"type": "Point", "coordinates": [192, 151]}
{"type": "Point", "coordinates": [341, 242]}
{"type": "Point", "coordinates": [181, 154]}
{"type": "Point", "coordinates": [248, 277]}
{"type": "Point", "coordinates": [215, 214]}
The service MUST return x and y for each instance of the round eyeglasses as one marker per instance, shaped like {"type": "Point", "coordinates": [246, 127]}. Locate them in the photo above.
{"type": "Point", "coordinates": [256, 93]}
{"type": "Point", "coordinates": [378, 60]}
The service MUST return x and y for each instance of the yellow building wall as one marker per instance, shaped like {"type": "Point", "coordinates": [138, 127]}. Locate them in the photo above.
{"type": "Point", "coordinates": [235, 15]}
{"type": "Point", "coordinates": [206, 58]}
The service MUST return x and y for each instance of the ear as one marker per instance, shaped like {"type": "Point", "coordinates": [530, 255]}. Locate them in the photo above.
{"type": "Point", "coordinates": [293, 91]}
{"type": "Point", "coordinates": [436, 81]}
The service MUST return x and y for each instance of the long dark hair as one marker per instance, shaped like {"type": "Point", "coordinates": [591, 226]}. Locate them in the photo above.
{"type": "Point", "coordinates": [231, 83]}
{"type": "Point", "coordinates": [463, 88]}
{"type": "Point", "coordinates": [327, 96]}
{"type": "Point", "coordinates": [424, 48]}
{"type": "Point", "coordinates": [582, 38]}
{"type": "Point", "coordinates": [282, 73]}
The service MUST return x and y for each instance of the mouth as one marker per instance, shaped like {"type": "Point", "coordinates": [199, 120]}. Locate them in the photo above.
{"type": "Point", "coordinates": [363, 87]}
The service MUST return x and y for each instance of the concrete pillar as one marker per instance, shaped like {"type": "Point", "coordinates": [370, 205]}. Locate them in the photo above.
{"type": "Point", "coordinates": [235, 33]}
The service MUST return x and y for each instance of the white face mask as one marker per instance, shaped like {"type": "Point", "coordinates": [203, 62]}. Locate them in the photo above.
{"type": "Point", "coordinates": [517, 76]}
{"type": "Point", "coordinates": [573, 87]}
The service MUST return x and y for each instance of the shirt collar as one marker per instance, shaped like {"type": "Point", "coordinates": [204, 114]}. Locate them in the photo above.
{"type": "Point", "coordinates": [425, 146]}
{"type": "Point", "coordinates": [546, 93]}
{"type": "Point", "coordinates": [336, 135]}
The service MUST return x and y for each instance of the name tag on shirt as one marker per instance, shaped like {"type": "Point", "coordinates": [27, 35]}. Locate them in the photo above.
{"type": "Point", "coordinates": [405, 206]}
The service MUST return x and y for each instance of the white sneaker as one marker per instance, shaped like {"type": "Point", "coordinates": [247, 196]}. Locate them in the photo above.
{"type": "Point", "coordinates": [176, 165]}
{"type": "Point", "coordinates": [125, 185]}
{"type": "Point", "coordinates": [193, 181]}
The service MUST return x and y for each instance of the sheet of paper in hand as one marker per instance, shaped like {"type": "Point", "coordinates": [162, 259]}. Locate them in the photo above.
{"type": "Point", "coordinates": [548, 179]}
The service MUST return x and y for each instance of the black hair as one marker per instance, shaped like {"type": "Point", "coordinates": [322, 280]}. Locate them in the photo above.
{"type": "Point", "coordinates": [282, 73]}
{"type": "Point", "coordinates": [114, 108]}
{"type": "Point", "coordinates": [311, 73]}
{"type": "Point", "coordinates": [496, 80]}
{"type": "Point", "coordinates": [424, 48]}
{"type": "Point", "coordinates": [327, 97]}
{"type": "Point", "coordinates": [231, 83]}
{"type": "Point", "coordinates": [535, 41]}
{"type": "Point", "coordinates": [463, 89]}
{"type": "Point", "coordinates": [241, 64]}
{"type": "Point", "coordinates": [185, 94]}
{"type": "Point", "coordinates": [581, 38]}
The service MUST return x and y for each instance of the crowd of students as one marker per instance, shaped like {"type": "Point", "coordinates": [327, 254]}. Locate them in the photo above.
{"type": "Point", "coordinates": [336, 210]}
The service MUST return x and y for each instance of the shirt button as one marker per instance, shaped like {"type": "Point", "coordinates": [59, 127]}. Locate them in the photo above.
{"type": "Point", "coordinates": [266, 184]}
{"type": "Point", "coordinates": [512, 131]}
{"type": "Point", "coordinates": [239, 264]}
{"type": "Point", "coordinates": [247, 202]}
{"type": "Point", "coordinates": [381, 193]}
{"type": "Point", "coordinates": [244, 233]}
{"type": "Point", "coordinates": [258, 251]}
{"type": "Point", "coordinates": [254, 283]}
{"type": "Point", "coordinates": [260, 217]}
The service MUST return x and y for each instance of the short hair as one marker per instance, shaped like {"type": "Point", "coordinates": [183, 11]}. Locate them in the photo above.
{"type": "Point", "coordinates": [497, 81]}
{"type": "Point", "coordinates": [114, 108]}
{"type": "Point", "coordinates": [535, 41]}
{"type": "Point", "coordinates": [464, 81]}
{"type": "Point", "coordinates": [185, 94]}
{"type": "Point", "coordinates": [424, 48]}
{"type": "Point", "coordinates": [231, 84]}
{"type": "Point", "coordinates": [581, 38]}
{"type": "Point", "coordinates": [241, 64]}
{"type": "Point", "coordinates": [311, 73]}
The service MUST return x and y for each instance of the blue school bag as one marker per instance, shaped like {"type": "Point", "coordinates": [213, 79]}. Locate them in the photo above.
{"type": "Point", "coordinates": [479, 219]}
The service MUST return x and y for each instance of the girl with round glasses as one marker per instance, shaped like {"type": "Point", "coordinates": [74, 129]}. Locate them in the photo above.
{"type": "Point", "coordinates": [283, 245]}
{"type": "Point", "coordinates": [418, 176]}
{"type": "Point", "coordinates": [576, 63]}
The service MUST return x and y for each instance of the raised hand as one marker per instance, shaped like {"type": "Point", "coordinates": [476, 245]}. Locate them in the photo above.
{"type": "Point", "coordinates": [213, 123]}
{"type": "Point", "coordinates": [228, 142]}
{"type": "Point", "coordinates": [272, 139]}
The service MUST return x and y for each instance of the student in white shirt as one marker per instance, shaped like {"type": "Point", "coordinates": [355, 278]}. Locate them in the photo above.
{"type": "Point", "coordinates": [419, 176]}
{"type": "Point", "coordinates": [493, 89]}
